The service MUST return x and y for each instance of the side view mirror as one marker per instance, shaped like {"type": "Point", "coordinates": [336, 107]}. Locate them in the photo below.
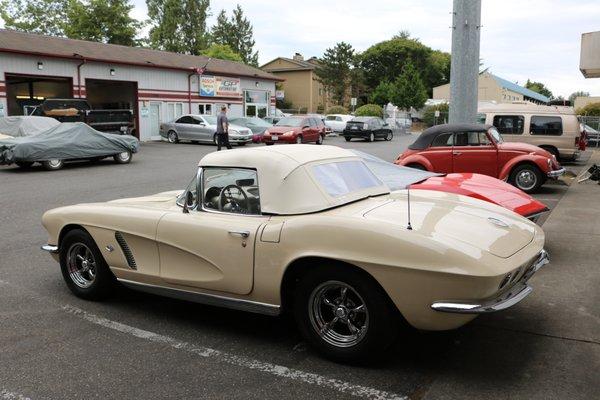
{"type": "Point", "coordinates": [189, 202]}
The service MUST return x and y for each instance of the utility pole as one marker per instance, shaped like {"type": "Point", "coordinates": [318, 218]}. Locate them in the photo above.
{"type": "Point", "coordinates": [464, 69]}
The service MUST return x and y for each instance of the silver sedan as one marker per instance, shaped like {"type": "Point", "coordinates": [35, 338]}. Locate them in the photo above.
{"type": "Point", "coordinates": [201, 128]}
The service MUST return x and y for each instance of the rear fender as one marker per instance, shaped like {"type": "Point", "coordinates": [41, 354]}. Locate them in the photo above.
{"type": "Point", "coordinates": [416, 159]}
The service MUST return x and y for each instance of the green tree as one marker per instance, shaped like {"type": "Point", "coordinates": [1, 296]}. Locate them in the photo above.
{"type": "Point", "coordinates": [539, 87]}
{"type": "Point", "coordinates": [369, 110]}
{"type": "Point", "coordinates": [222, 52]}
{"type": "Point", "coordinates": [237, 33]}
{"type": "Point", "coordinates": [579, 93]}
{"type": "Point", "coordinates": [178, 25]}
{"type": "Point", "coordinates": [385, 60]}
{"type": "Point", "coordinates": [408, 89]}
{"type": "Point", "coordinates": [591, 109]}
{"type": "Point", "coordinates": [105, 21]}
{"type": "Point", "coordinates": [337, 110]}
{"type": "Point", "coordinates": [429, 114]}
{"type": "Point", "coordinates": [46, 17]}
{"type": "Point", "coordinates": [334, 70]}
{"type": "Point", "coordinates": [382, 94]}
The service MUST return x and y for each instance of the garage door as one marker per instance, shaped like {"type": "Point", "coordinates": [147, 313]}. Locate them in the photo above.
{"type": "Point", "coordinates": [113, 95]}
{"type": "Point", "coordinates": [24, 92]}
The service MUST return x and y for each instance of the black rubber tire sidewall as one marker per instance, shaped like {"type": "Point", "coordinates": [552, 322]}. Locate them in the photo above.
{"type": "Point", "coordinates": [383, 319]}
{"type": "Point", "coordinates": [175, 135]}
{"type": "Point", "coordinates": [347, 138]}
{"type": "Point", "coordinates": [105, 280]}
{"type": "Point", "coordinates": [535, 170]}
{"type": "Point", "coordinates": [24, 164]}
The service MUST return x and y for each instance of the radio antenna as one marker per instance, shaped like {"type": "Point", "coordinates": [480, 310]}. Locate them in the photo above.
{"type": "Point", "coordinates": [409, 226]}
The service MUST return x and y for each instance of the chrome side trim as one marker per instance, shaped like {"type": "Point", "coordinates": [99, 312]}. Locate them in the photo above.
{"type": "Point", "coordinates": [50, 248]}
{"type": "Point", "coordinates": [557, 173]}
{"type": "Point", "coordinates": [205, 298]}
{"type": "Point", "coordinates": [502, 301]}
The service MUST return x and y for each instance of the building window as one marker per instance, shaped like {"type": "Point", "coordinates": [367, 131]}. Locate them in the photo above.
{"type": "Point", "coordinates": [509, 124]}
{"type": "Point", "coordinates": [256, 103]}
{"type": "Point", "coordinates": [205, 109]}
{"type": "Point", "coordinates": [546, 125]}
{"type": "Point", "coordinates": [174, 110]}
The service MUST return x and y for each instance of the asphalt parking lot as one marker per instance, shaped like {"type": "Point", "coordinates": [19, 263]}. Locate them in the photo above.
{"type": "Point", "coordinates": [56, 346]}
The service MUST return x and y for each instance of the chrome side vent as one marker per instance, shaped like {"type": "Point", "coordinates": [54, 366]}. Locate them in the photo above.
{"type": "Point", "coordinates": [126, 250]}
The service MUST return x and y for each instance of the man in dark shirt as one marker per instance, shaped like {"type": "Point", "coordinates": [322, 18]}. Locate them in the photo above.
{"type": "Point", "coordinates": [223, 129]}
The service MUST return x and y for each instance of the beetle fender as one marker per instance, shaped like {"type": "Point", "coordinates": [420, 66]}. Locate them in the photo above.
{"type": "Point", "coordinates": [416, 159]}
{"type": "Point", "coordinates": [540, 161]}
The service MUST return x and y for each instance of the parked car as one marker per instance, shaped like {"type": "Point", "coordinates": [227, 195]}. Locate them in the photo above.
{"type": "Point", "coordinates": [308, 230]}
{"type": "Point", "coordinates": [202, 128]}
{"type": "Point", "coordinates": [553, 128]}
{"type": "Point", "coordinates": [296, 129]}
{"type": "Point", "coordinates": [591, 134]}
{"type": "Point", "coordinates": [20, 125]}
{"type": "Point", "coordinates": [79, 110]}
{"type": "Point", "coordinates": [368, 128]}
{"type": "Point", "coordinates": [477, 186]}
{"type": "Point", "coordinates": [257, 125]}
{"type": "Point", "coordinates": [478, 148]}
{"type": "Point", "coordinates": [69, 141]}
{"type": "Point", "coordinates": [337, 122]}
{"type": "Point", "coordinates": [271, 119]}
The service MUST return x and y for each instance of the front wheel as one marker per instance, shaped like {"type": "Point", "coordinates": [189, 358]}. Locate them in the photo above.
{"type": "Point", "coordinates": [83, 268]}
{"type": "Point", "coordinates": [123, 158]}
{"type": "Point", "coordinates": [344, 314]}
{"type": "Point", "coordinates": [320, 139]}
{"type": "Point", "coordinates": [347, 138]}
{"type": "Point", "coordinates": [527, 177]}
{"type": "Point", "coordinates": [389, 136]}
{"type": "Point", "coordinates": [53, 165]}
{"type": "Point", "coordinates": [371, 137]}
{"type": "Point", "coordinates": [298, 139]}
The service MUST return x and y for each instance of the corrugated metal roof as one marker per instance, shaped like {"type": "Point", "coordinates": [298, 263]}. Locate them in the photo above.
{"type": "Point", "coordinates": [28, 43]}
{"type": "Point", "coordinates": [520, 89]}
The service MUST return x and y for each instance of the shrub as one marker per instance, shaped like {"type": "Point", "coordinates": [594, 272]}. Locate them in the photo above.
{"type": "Point", "coordinates": [369, 110]}
{"type": "Point", "coordinates": [429, 114]}
{"type": "Point", "coordinates": [337, 110]}
{"type": "Point", "coordinates": [592, 109]}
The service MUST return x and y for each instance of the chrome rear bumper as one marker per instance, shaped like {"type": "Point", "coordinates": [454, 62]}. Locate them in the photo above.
{"type": "Point", "coordinates": [500, 302]}
{"type": "Point", "coordinates": [50, 248]}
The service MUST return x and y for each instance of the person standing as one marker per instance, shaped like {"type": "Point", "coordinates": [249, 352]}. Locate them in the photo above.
{"type": "Point", "coordinates": [223, 129]}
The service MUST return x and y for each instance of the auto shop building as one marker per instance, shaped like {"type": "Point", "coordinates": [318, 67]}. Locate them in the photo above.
{"type": "Point", "coordinates": [158, 86]}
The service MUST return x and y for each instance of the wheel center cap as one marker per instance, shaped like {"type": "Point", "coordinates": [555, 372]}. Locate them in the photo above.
{"type": "Point", "coordinates": [340, 312]}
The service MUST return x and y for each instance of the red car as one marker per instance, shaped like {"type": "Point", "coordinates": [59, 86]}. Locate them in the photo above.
{"type": "Point", "coordinates": [296, 129]}
{"type": "Point", "coordinates": [476, 186]}
{"type": "Point", "coordinates": [476, 148]}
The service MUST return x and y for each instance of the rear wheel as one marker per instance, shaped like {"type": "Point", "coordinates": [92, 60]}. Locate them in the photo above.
{"type": "Point", "coordinates": [83, 268]}
{"type": "Point", "coordinates": [389, 136]}
{"type": "Point", "coordinates": [298, 139]}
{"type": "Point", "coordinates": [53, 165]}
{"type": "Point", "coordinates": [344, 314]}
{"type": "Point", "coordinates": [347, 138]}
{"type": "Point", "coordinates": [320, 139]}
{"type": "Point", "coordinates": [24, 164]}
{"type": "Point", "coordinates": [371, 137]}
{"type": "Point", "coordinates": [123, 158]}
{"type": "Point", "coordinates": [172, 137]}
{"type": "Point", "coordinates": [551, 150]}
{"type": "Point", "coordinates": [527, 177]}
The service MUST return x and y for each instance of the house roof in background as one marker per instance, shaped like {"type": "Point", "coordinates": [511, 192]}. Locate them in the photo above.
{"type": "Point", "coordinates": [520, 89]}
{"type": "Point", "coordinates": [301, 65]}
{"type": "Point", "coordinates": [49, 46]}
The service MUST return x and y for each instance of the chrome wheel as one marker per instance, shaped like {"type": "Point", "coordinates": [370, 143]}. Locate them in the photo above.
{"type": "Point", "coordinates": [172, 137]}
{"type": "Point", "coordinates": [389, 136]}
{"type": "Point", "coordinates": [526, 179]}
{"type": "Point", "coordinates": [81, 265]}
{"type": "Point", "coordinates": [124, 156]}
{"type": "Point", "coordinates": [371, 137]}
{"type": "Point", "coordinates": [338, 314]}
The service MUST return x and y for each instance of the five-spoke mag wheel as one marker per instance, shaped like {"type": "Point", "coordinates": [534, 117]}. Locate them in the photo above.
{"type": "Point", "coordinates": [81, 265]}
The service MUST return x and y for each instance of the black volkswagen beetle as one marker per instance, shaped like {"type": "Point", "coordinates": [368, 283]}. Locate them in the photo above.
{"type": "Point", "coordinates": [368, 128]}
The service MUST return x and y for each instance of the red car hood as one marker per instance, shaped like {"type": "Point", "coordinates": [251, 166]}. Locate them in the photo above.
{"type": "Point", "coordinates": [523, 147]}
{"type": "Point", "coordinates": [281, 129]}
{"type": "Point", "coordinates": [485, 188]}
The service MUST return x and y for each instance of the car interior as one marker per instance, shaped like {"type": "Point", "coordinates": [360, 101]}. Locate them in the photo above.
{"type": "Point", "coordinates": [231, 190]}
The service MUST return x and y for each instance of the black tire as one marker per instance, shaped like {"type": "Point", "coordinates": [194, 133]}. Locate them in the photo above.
{"type": "Point", "coordinates": [347, 138]}
{"type": "Point", "coordinates": [241, 143]}
{"type": "Point", "coordinates": [417, 166]}
{"type": "Point", "coordinates": [123, 158]}
{"type": "Point", "coordinates": [215, 140]}
{"type": "Point", "coordinates": [172, 137]}
{"type": "Point", "coordinates": [380, 322]}
{"type": "Point", "coordinates": [53, 165]}
{"type": "Point", "coordinates": [24, 164]}
{"type": "Point", "coordinates": [269, 143]}
{"type": "Point", "coordinates": [526, 177]}
{"type": "Point", "coordinates": [389, 136]}
{"type": "Point", "coordinates": [320, 139]}
{"type": "Point", "coordinates": [551, 150]}
{"type": "Point", "coordinates": [83, 283]}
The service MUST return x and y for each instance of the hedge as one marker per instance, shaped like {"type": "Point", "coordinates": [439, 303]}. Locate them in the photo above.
{"type": "Point", "coordinates": [369, 110]}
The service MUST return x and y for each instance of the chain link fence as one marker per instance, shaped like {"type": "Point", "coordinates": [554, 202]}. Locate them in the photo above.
{"type": "Point", "coordinates": [591, 125]}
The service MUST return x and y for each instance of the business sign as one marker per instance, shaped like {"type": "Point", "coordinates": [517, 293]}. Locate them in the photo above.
{"type": "Point", "coordinates": [353, 101]}
{"type": "Point", "coordinates": [220, 86]}
{"type": "Point", "coordinates": [279, 94]}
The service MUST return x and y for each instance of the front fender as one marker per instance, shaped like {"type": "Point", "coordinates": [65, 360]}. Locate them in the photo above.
{"type": "Point", "coordinates": [416, 159]}
{"type": "Point", "coordinates": [540, 161]}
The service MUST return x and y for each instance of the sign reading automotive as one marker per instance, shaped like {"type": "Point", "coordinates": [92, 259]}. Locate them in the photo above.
{"type": "Point", "coordinates": [220, 86]}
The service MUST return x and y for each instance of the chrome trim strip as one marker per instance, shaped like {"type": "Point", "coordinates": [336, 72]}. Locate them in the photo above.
{"type": "Point", "coordinates": [205, 298]}
{"type": "Point", "coordinates": [557, 173]}
{"type": "Point", "coordinates": [501, 302]}
{"type": "Point", "coordinates": [50, 248]}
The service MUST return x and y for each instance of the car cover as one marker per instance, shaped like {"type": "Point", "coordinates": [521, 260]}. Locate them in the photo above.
{"type": "Point", "coordinates": [66, 141]}
{"type": "Point", "coordinates": [25, 125]}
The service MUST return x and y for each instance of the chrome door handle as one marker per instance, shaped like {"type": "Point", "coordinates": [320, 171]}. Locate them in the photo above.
{"type": "Point", "coordinates": [243, 234]}
{"type": "Point", "coordinates": [456, 153]}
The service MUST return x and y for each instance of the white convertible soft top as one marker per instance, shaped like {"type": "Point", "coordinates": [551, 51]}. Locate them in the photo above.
{"type": "Point", "coordinates": [286, 181]}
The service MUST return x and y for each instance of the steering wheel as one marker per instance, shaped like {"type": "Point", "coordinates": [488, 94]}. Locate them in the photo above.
{"type": "Point", "coordinates": [237, 206]}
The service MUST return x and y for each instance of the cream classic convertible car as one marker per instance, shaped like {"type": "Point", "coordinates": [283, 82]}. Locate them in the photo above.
{"type": "Point", "coordinates": [308, 230]}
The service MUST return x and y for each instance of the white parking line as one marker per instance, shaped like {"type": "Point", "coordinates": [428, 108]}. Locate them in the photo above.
{"type": "Point", "coordinates": [273, 369]}
{"type": "Point", "coordinates": [6, 395]}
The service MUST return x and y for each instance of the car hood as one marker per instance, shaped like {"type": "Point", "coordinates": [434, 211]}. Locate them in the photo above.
{"type": "Point", "coordinates": [164, 200]}
{"type": "Point", "coordinates": [485, 188]}
{"type": "Point", "coordinates": [241, 129]}
{"type": "Point", "coordinates": [282, 129]}
{"type": "Point", "coordinates": [523, 148]}
{"type": "Point", "coordinates": [449, 218]}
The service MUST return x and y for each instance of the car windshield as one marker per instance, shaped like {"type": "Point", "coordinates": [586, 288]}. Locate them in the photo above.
{"type": "Point", "coordinates": [340, 178]}
{"type": "Point", "coordinates": [496, 135]}
{"type": "Point", "coordinates": [289, 121]}
{"type": "Point", "coordinates": [211, 120]}
{"type": "Point", "coordinates": [394, 176]}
